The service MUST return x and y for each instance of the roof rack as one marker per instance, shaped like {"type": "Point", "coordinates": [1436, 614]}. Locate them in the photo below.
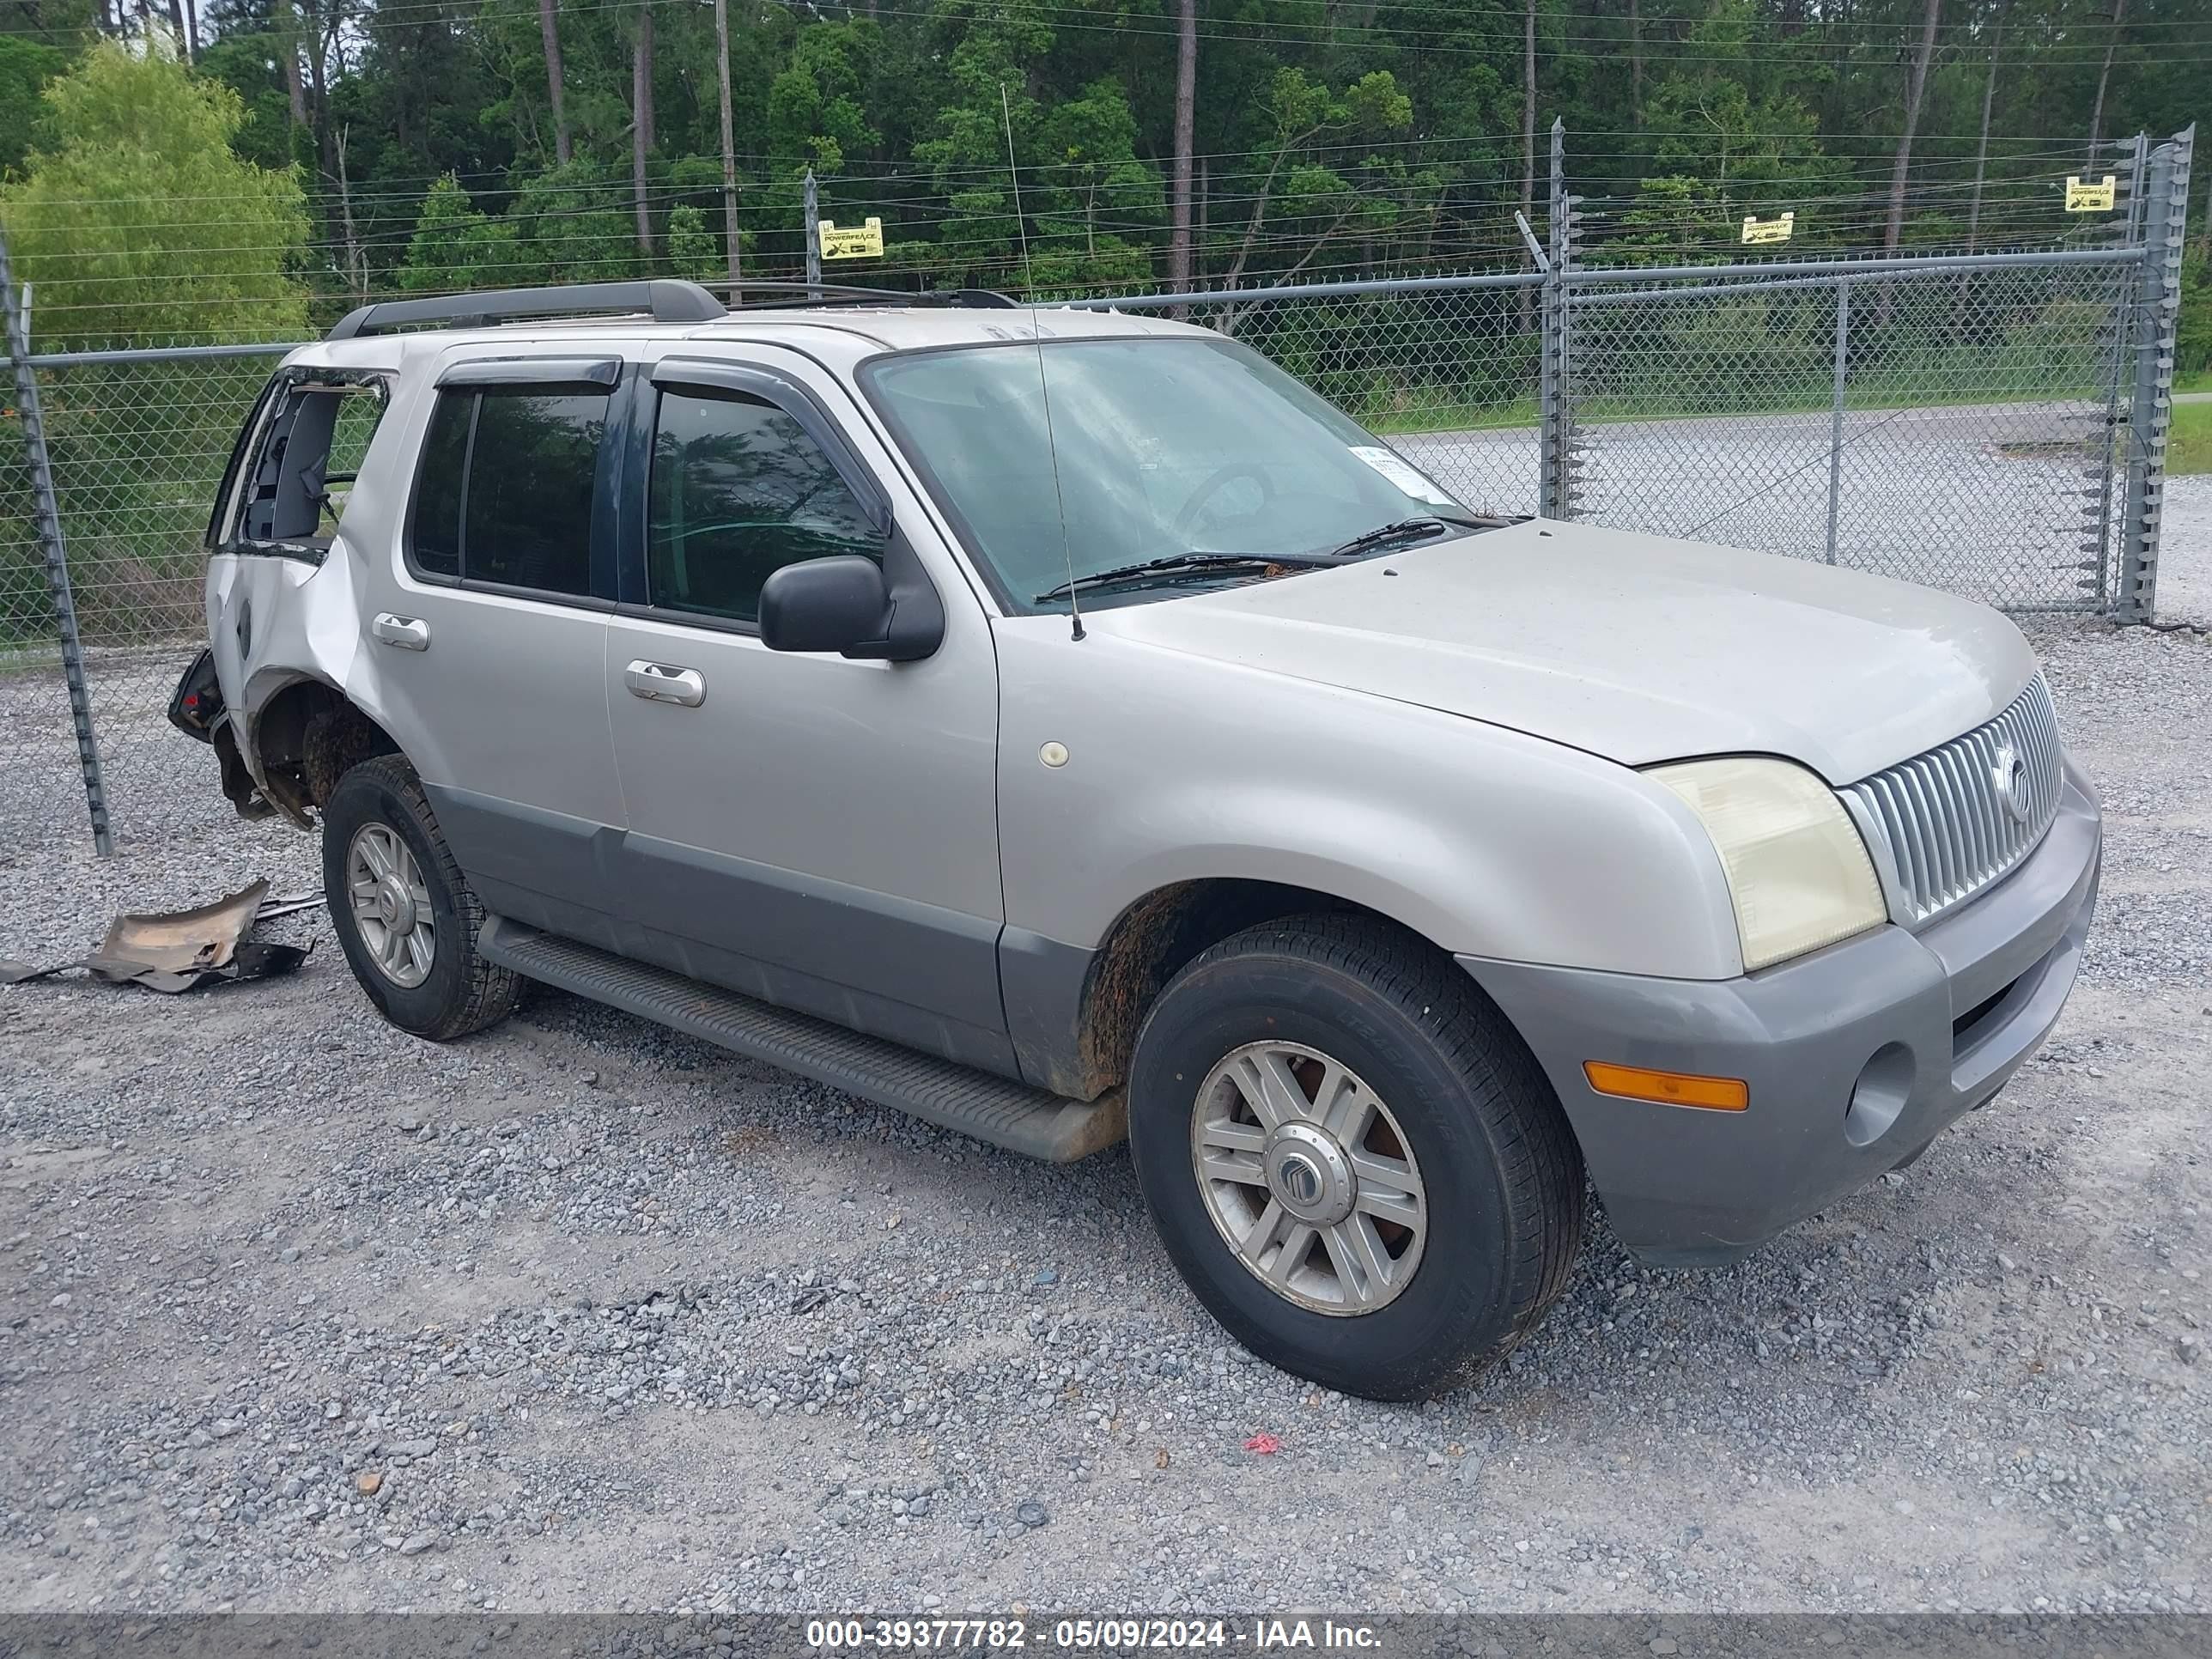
{"type": "Point", "coordinates": [664, 300]}
{"type": "Point", "coordinates": [809, 294]}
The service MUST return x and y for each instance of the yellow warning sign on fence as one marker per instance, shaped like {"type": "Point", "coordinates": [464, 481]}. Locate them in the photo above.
{"type": "Point", "coordinates": [2090, 198]}
{"type": "Point", "coordinates": [1769, 230]}
{"type": "Point", "coordinates": [860, 241]}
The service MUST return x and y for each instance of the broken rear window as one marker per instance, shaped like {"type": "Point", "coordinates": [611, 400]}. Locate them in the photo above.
{"type": "Point", "coordinates": [296, 464]}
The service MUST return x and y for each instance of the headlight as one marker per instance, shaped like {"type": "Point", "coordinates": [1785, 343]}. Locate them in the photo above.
{"type": "Point", "coordinates": [1797, 870]}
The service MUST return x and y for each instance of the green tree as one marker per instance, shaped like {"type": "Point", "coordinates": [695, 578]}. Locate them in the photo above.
{"type": "Point", "coordinates": [694, 248]}
{"type": "Point", "coordinates": [1101, 208]}
{"type": "Point", "coordinates": [575, 224]}
{"type": "Point", "coordinates": [1727, 115]}
{"type": "Point", "coordinates": [989, 70]}
{"type": "Point", "coordinates": [815, 112]}
{"type": "Point", "coordinates": [26, 66]}
{"type": "Point", "coordinates": [1306, 197]}
{"type": "Point", "coordinates": [1674, 218]}
{"type": "Point", "coordinates": [141, 223]}
{"type": "Point", "coordinates": [248, 55]}
{"type": "Point", "coordinates": [69, 24]}
{"type": "Point", "coordinates": [455, 247]}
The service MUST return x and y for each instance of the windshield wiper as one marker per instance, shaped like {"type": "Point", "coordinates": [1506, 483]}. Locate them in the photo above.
{"type": "Point", "coordinates": [1422, 529]}
{"type": "Point", "coordinates": [1176, 564]}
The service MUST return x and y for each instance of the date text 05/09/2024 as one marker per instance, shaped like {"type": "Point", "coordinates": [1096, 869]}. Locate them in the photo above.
{"type": "Point", "coordinates": [1251, 1634]}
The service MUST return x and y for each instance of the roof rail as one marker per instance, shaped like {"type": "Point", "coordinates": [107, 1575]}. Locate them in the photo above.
{"type": "Point", "coordinates": [664, 301]}
{"type": "Point", "coordinates": [811, 293]}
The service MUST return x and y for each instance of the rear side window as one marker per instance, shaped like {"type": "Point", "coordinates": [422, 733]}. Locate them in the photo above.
{"type": "Point", "coordinates": [505, 491]}
{"type": "Point", "coordinates": [739, 491]}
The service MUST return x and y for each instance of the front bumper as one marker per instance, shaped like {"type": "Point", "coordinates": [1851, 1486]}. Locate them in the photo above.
{"type": "Point", "coordinates": [1856, 1055]}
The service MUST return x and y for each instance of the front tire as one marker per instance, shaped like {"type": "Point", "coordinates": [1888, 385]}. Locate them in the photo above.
{"type": "Point", "coordinates": [404, 916]}
{"type": "Point", "coordinates": [1352, 1157]}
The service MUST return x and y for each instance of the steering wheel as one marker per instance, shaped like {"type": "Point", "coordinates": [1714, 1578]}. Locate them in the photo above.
{"type": "Point", "coordinates": [1211, 487]}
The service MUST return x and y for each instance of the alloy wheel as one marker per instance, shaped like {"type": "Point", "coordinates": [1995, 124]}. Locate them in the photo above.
{"type": "Point", "coordinates": [1309, 1177]}
{"type": "Point", "coordinates": [391, 905]}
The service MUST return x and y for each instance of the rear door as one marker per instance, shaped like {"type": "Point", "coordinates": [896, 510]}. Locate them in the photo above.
{"type": "Point", "coordinates": [817, 831]}
{"type": "Point", "coordinates": [489, 634]}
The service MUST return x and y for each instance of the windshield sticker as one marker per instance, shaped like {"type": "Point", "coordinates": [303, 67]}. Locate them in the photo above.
{"type": "Point", "coordinates": [1401, 472]}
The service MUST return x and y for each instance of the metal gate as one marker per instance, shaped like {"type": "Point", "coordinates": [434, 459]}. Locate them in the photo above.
{"type": "Point", "coordinates": [1994, 424]}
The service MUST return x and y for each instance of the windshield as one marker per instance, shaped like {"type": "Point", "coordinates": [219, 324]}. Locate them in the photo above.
{"type": "Point", "coordinates": [1167, 448]}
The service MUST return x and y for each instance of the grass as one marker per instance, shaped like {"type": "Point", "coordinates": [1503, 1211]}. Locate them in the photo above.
{"type": "Point", "coordinates": [2195, 380]}
{"type": "Point", "coordinates": [2189, 440]}
{"type": "Point", "coordinates": [1453, 418]}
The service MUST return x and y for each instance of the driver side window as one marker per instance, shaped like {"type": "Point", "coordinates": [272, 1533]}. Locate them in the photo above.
{"type": "Point", "coordinates": [738, 491]}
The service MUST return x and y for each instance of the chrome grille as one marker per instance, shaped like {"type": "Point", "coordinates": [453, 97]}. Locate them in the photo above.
{"type": "Point", "coordinates": [1942, 817]}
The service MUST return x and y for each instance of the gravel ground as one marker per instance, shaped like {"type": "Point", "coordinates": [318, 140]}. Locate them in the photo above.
{"type": "Point", "coordinates": [298, 1313]}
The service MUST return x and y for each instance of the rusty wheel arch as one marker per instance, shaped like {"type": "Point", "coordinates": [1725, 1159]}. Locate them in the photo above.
{"type": "Point", "coordinates": [1153, 940]}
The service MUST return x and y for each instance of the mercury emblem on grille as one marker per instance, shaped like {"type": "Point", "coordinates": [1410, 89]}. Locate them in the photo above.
{"type": "Point", "coordinates": [2009, 776]}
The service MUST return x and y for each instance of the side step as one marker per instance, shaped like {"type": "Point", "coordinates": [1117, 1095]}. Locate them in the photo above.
{"type": "Point", "coordinates": [953, 1097]}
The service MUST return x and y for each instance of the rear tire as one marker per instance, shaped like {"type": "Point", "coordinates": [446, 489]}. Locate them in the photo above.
{"type": "Point", "coordinates": [405, 918]}
{"type": "Point", "coordinates": [1426, 1155]}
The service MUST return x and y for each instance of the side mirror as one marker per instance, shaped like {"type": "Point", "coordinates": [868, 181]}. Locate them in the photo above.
{"type": "Point", "coordinates": [824, 605]}
{"type": "Point", "coordinates": [843, 603]}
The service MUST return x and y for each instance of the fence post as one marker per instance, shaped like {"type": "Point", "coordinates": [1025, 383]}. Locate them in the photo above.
{"type": "Point", "coordinates": [1556, 479]}
{"type": "Point", "coordinates": [2138, 162]}
{"type": "Point", "coordinates": [1836, 410]}
{"type": "Point", "coordinates": [812, 209]}
{"type": "Point", "coordinates": [2097, 502]}
{"type": "Point", "coordinates": [2157, 313]}
{"type": "Point", "coordinates": [47, 514]}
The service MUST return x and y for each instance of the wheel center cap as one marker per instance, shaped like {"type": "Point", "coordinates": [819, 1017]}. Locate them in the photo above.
{"type": "Point", "coordinates": [1309, 1174]}
{"type": "Point", "coordinates": [395, 906]}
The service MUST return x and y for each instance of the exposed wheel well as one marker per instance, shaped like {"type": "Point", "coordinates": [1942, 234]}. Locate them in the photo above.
{"type": "Point", "coordinates": [1152, 940]}
{"type": "Point", "coordinates": [307, 737]}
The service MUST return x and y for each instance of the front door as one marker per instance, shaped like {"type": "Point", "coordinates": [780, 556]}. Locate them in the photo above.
{"type": "Point", "coordinates": [818, 832]}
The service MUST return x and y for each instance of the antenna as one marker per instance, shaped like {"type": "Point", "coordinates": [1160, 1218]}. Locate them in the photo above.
{"type": "Point", "coordinates": [1044, 387]}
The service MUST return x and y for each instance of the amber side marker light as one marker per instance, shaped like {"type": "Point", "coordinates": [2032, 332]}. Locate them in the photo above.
{"type": "Point", "coordinates": [1713, 1094]}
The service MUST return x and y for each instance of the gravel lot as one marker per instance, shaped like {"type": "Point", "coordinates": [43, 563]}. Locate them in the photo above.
{"type": "Point", "coordinates": [296, 1312]}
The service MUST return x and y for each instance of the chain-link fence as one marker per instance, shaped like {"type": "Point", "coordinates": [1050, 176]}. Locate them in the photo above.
{"type": "Point", "coordinates": [135, 445]}
{"type": "Point", "coordinates": [1994, 424]}
{"type": "Point", "coordinates": [1953, 425]}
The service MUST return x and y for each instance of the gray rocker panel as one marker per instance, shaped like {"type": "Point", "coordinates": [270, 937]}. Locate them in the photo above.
{"type": "Point", "coordinates": [993, 1109]}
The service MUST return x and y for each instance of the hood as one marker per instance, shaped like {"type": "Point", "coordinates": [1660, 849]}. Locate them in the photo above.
{"type": "Point", "coordinates": [1636, 648]}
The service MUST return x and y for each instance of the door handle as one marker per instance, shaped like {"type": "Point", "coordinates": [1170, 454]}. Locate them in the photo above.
{"type": "Point", "coordinates": [664, 682]}
{"type": "Point", "coordinates": [408, 633]}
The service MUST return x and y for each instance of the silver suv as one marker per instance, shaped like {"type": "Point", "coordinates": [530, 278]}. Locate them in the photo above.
{"type": "Point", "coordinates": [1059, 725]}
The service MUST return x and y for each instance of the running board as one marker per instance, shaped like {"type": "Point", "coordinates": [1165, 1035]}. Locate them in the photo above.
{"type": "Point", "coordinates": [953, 1097]}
